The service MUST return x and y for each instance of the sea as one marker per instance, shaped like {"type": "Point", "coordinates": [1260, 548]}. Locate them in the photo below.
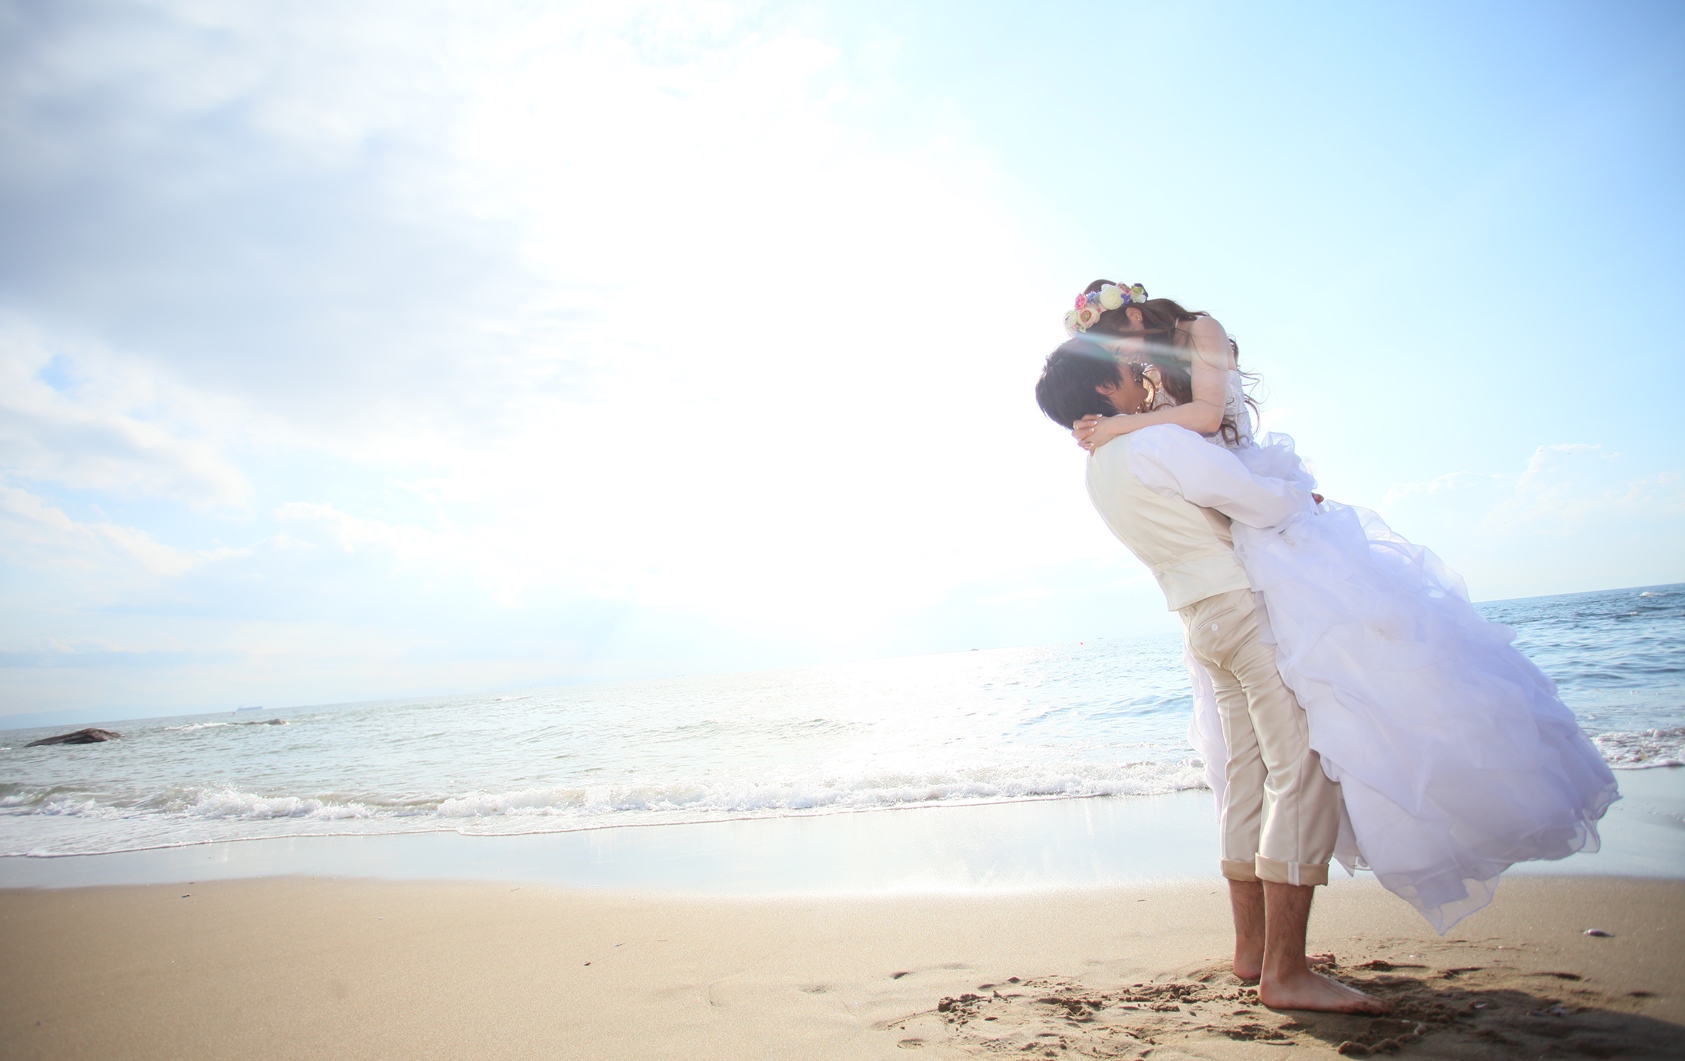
{"type": "Point", "coordinates": [1105, 718]}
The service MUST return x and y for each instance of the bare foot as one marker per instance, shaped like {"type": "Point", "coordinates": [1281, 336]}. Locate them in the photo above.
{"type": "Point", "coordinates": [1313, 991]}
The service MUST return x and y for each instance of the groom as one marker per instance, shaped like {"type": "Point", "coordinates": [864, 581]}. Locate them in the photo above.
{"type": "Point", "coordinates": [1169, 495]}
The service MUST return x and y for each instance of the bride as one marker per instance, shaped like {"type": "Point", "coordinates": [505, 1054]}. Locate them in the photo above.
{"type": "Point", "coordinates": [1455, 757]}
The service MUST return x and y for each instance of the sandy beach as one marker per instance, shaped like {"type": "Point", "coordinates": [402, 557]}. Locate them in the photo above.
{"type": "Point", "coordinates": [1062, 928]}
{"type": "Point", "coordinates": [298, 967]}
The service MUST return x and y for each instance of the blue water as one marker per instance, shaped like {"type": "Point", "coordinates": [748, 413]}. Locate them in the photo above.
{"type": "Point", "coordinates": [1104, 718]}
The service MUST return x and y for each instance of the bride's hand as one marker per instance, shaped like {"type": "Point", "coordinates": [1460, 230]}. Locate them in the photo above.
{"type": "Point", "coordinates": [1092, 432]}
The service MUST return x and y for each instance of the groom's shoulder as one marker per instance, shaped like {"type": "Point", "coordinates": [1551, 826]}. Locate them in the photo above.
{"type": "Point", "coordinates": [1164, 445]}
{"type": "Point", "coordinates": [1156, 439]}
{"type": "Point", "coordinates": [1168, 433]}
{"type": "Point", "coordinates": [1148, 438]}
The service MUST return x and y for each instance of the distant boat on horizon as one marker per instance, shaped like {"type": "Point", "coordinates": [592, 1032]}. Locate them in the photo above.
{"type": "Point", "coordinates": [259, 707]}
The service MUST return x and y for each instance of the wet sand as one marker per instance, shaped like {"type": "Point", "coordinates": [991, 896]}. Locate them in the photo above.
{"type": "Point", "coordinates": [299, 967]}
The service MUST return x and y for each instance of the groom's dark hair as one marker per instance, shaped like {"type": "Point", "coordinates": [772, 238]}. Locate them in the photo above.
{"type": "Point", "coordinates": [1066, 391]}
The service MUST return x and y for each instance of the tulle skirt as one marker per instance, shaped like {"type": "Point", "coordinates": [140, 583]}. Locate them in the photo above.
{"type": "Point", "coordinates": [1454, 754]}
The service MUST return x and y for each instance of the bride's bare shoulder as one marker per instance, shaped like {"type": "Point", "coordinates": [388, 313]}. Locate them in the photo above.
{"type": "Point", "coordinates": [1207, 334]}
{"type": "Point", "coordinates": [1203, 326]}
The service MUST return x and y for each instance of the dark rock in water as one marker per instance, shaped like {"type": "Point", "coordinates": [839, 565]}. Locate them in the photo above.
{"type": "Point", "coordinates": [81, 736]}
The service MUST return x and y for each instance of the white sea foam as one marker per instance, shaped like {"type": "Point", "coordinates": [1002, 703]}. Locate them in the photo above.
{"type": "Point", "coordinates": [1643, 749]}
{"type": "Point", "coordinates": [234, 804]}
{"type": "Point", "coordinates": [722, 799]}
{"type": "Point", "coordinates": [69, 806]}
{"type": "Point", "coordinates": [191, 726]}
{"type": "Point", "coordinates": [860, 793]}
{"type": "Point", "coordinates": [202, 815]}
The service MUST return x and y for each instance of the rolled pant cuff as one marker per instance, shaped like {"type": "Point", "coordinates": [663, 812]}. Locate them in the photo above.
{"type": "Point", "coordinates": [1298, 873]}
{"type": "Point", "coordinates": [1237, 870]}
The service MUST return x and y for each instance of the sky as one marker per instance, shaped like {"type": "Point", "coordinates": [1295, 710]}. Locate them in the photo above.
{"type": "Point", "coordinates": [384, 349]}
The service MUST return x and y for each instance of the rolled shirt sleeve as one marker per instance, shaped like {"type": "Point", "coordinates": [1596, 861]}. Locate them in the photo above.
{"type": "Point", "coordinates": [1174, 462]}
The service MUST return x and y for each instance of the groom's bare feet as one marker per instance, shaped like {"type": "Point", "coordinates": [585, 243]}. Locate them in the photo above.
{"type": "Point", "coordinates": [1313, 991]}
{"type": "Point", "coordinates": [1288, 981]}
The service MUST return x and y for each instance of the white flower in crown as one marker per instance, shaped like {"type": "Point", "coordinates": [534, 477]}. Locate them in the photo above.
{"type": "Point", "coordinates": [1137, 294]}
{"type": "Point", "coordinates": [1071, 324]}
{"type": "Point", "coordinates": [1087, 315]}
{"type": "Point", "coordinates": [1111, 296]}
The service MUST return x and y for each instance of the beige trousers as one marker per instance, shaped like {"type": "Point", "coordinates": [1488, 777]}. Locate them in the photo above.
{"type": "Point", "coordinates": [1280, 814]}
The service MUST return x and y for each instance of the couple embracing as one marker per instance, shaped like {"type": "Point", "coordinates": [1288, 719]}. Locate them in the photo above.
{"type": "Point", "coordinates": [1349, 702]}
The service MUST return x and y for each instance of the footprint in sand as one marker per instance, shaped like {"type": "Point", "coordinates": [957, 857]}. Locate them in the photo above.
{"type": "Point", "coordinates": [1466, 1011]}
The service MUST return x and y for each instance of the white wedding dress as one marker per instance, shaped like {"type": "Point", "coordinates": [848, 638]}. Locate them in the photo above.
{"type": "Point", "coordinates": [1454, 754]}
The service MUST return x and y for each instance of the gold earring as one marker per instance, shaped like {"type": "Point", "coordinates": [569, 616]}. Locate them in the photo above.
{"type": "Point", "coordinates": [1152, 383]}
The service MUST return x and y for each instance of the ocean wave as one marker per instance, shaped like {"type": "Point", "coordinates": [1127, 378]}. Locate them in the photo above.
{"type": "Point", "coordinates": [805, 797]}
{"type": "Point", "coordinates": [676, 800]}
{"type": "Point", "coordinates": [189, 727]}
{"type": "Point", "coordinates": [229, 803]}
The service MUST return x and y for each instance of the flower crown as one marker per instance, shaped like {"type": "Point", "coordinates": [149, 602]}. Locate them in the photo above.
{"type": "Point", "coordinates": [1090, 304]}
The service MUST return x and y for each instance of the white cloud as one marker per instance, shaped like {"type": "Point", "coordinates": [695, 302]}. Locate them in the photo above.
{"type": "Point", "coordinates": [1576, 517]}
{"type": "Point", "coordinates": [39, 536]}
{"type": "Point", "coordinates": [106, 427]}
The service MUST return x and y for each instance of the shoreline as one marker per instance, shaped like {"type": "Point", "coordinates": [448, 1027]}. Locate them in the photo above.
{"type": "Point", "coordinates": [1024, 845]}
{"type": "Point", "coordinates": [607, 823]}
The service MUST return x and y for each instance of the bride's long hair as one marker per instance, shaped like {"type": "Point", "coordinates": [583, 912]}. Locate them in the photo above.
{"type": "Point", "coordinates": [1167, 346]}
